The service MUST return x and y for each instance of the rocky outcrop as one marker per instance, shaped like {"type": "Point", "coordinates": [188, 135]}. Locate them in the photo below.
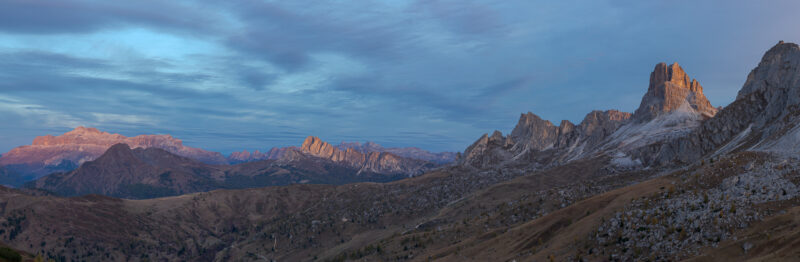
{"type": "Point", "coordinates": [671, 89]}
{"type": "Point", "coordinates": [488, 151]}
{"type": "Point", "coordinates": [50, 154]}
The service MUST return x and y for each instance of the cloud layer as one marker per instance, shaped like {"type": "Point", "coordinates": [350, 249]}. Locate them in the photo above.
{"type": "Point", "coordinates": [232, 75]}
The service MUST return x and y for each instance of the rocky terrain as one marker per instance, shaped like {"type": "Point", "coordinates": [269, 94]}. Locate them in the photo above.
{"type": "Point", "coordinates": [49, 154]}
{"type": "Point", "coordinates": [703, 208]}
{"type": "Point", "coordinates": [677, 179]}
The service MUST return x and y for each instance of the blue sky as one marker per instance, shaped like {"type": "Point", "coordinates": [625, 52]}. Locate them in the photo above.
{"type": "Point", "coordinates": [233, 75]}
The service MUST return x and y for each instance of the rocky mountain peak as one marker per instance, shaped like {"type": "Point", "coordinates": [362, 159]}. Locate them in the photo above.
{"type": "Point", "coordinates": [533, 136]}
{"type": "Point", "coordinates": [671, 89]}
{"type": "Point", "coordinates": [534, 132]}
{"type": "Point", "coordinates": [778, 69]}
{"type": "Point", "coordinates": [762, 117]}
{"type": "Point", "coordinates": [118, 148]}
{"type": "Point", "coordinates": [316, 147]}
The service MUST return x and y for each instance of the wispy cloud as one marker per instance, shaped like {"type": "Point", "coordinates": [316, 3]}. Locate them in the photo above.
{"type": "Point", "coordinates": [35, 114]}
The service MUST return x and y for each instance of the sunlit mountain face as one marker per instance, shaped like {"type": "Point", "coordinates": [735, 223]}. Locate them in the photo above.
{"type": "Point", "coordinates": [257, 130]}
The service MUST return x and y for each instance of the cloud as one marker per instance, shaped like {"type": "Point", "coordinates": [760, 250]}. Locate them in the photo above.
{"type": "Point", "coordinates": [82, 16]}
{"type": "Point", "coordinates": [134, 120]}
{"type": "Point", "coordinates": [228, 75]}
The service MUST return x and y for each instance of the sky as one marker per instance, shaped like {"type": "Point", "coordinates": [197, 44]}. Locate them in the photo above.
{"type": "Point", "coordinates": [436, 74]}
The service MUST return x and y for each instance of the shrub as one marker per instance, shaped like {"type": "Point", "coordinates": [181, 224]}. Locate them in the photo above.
{"type": "Point", "coordinates": [10, 255]}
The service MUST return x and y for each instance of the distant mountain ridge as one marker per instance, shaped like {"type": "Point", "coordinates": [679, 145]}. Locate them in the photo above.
{"type": "Point", "coordinates": [154, 172]}
{"type": "Point", "coordinates": [378, 162]}
{"type": "Point", "coordinates": [367, 147]}
{"type": "Point", "coordinates": [246, 156]}
{"type": "Point", "coordinates": [49, 154]}
{"type": "Point", "coordinates": [52, 154]}
{"type": "Point", "coordinates": [135, 173]}
{"type": "Point", "coordinates": [408, 152]}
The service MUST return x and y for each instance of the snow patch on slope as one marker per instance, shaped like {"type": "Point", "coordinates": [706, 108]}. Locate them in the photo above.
{"type": "Point", "coordinates": [735, 142]}
{"type": "Point", "coordinates": [622, 160]}
{"type": "Point", "coordinates": [675, 124]}
{"type": "Point", "coordinates": [788, 143]}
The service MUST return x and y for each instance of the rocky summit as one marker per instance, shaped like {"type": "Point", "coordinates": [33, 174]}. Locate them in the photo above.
{"type": "Point", "coordinates": [763, 117]}
{"type": "Point", "coordinates": [671, 89]}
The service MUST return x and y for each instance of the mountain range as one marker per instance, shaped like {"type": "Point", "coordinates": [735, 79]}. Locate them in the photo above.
{"type": "Point", "coordinates": [154, 172]}
{"type": "Point", "coordinates": [365, 148]}
{"type": "Point", "coordinates": [54, 154]}
{"type": "Point", "coordinates": [672, 107]}
{"type": "Point", "coordinates": [49, 154]}
{"type": "Point", "coordinates": [676, 179]}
